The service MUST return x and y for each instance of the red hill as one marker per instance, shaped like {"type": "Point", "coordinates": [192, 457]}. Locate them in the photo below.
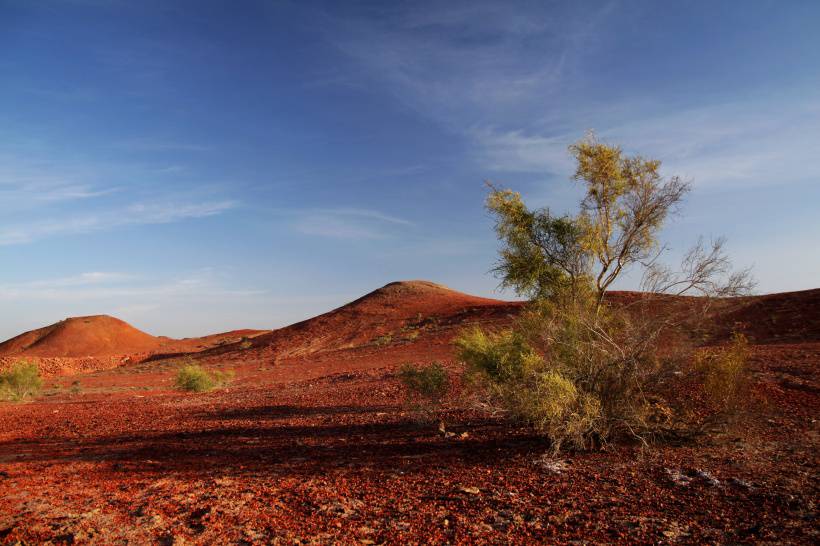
{"type": "Point", "coordinates": [97, 335]}
{"type": "Point", "coordinates": [399, 313]}
{"type": "Point", "coordinates": [102, 336]}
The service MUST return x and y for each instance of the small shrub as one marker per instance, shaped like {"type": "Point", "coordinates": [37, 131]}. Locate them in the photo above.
{"type": "Point", "coordinates": [191, 377]}
{"type": "Point", "coordinates": [245, 345]}
{"type": "Point", "coordinates": [426, 387]}
{"type": "Point", "coordinates": [20, 382]}
{"type": "Point", "coordinates": [725, 377]}
{"type": "Point", "coordinates": [381, 341]}
{"type": "Point", "coordinates": [76, 387]}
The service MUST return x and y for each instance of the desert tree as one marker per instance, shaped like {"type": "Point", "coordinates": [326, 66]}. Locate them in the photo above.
{"type": "Point", "coordinates": [577, 366]}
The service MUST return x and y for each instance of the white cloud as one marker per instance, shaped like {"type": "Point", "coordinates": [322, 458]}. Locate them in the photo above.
{"type": "Point", "coordinates": [509, 80]}
{"type": "Point", "coordinates": [136, 214]}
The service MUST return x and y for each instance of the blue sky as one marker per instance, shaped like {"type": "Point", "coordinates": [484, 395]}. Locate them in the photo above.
{"type": "Point", "coordinates": [193, 167]}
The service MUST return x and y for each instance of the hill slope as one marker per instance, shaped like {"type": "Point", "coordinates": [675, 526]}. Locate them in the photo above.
{"type": "Point", "coordinates": [398, 313]}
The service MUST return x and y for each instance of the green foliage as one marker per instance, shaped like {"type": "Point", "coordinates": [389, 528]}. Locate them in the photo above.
{"type": "Point", "coordinates": [21, 381]}
{"type": "Point", "coordinates": [193, 378]}
{"type": "Point", "coordinates": [624, 208]}
{"type": "Point", "coordinates": [563, 391]}
{"type": "Point", "coordinates": [76, 387]}
{"type": "Point", "coordinates": [502, 357]}
{"type": "Point", "coordinates": [542, 254]}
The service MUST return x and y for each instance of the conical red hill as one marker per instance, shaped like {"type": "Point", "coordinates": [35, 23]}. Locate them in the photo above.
{"type": "Point", "coordinates": [97, 336]}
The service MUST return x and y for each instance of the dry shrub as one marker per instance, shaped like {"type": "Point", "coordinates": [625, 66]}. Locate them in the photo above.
{"type": "Point", "coordinates": [562, 392]}
{"type": "Point", "coordinates": [21, 381]}
{"type": "Point", "coordinates": [725, 375]}
{"type": "Point", "coordinates": [585, 377]}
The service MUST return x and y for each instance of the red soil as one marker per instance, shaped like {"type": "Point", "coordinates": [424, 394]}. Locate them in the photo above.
{"type": "Point", "coordinates": [311, 444]}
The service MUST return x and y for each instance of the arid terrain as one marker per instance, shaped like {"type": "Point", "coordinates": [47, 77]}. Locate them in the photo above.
{"type": "Point", "coordinates": [311, 442]}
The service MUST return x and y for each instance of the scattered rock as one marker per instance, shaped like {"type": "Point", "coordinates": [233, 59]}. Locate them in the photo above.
{"type": "Point", "coordinates": [737, 482]}
{"type": "Point", "coordinates": [553, 466]}
{"type": "Point", "coordinates": [677, 477]}
{"type": "Point", "coordinates": [707, 477]}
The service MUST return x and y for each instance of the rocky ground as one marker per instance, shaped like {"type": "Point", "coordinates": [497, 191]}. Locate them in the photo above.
{"type": "Point", "coordinates": [289, 454]}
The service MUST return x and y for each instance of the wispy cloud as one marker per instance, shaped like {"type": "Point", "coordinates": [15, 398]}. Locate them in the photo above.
{"type": "Point", "coordinates": [136, 214]}
{"type": "Point", "coordinates": [506, 81]}
{"type": "Point", "coordinates": [202, 285]}
{"type": "Point", "coordinates": [518, 151]}
{"type": "Point", "coordinates": [25, 181]}
{"type": "Point", "coordinates": [716, 146]}
{"type": "Point", "coordinates": [156, 144]}
{"type": "Point", "coordinates": [460, 59]}
{"type": "Point", "coordinates": [347, 223]}
{"type": "Point", "coordinates": [91, 278]}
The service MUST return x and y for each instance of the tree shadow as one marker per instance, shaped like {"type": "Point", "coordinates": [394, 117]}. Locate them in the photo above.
{"type": "Point", "coordinates": [271, 445]}
{"type": "Point", "coordinates": [286, 411]}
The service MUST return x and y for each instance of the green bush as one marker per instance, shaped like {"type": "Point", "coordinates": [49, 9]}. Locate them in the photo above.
{"type": "Point", "coordinates": [20, 382]}
{"type": "Point", "coordinates": [193, 378]}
